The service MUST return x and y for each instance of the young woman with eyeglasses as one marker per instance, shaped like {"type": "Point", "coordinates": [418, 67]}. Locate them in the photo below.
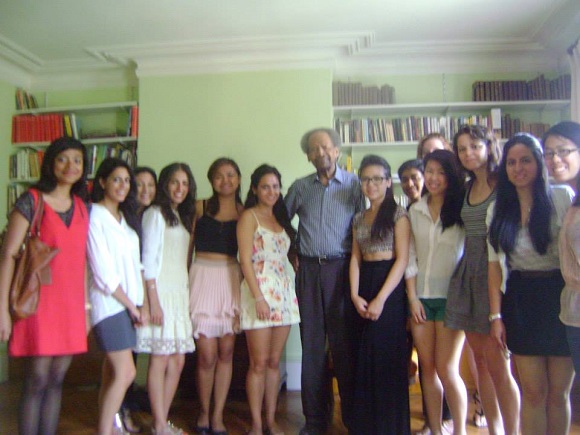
{"type": "Point", "coordinates": [562, 153]}
{"type": "Point", "coordinates": [380, 252]}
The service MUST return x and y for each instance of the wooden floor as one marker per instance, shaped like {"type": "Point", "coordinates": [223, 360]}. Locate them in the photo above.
{"type": "Point", "coordinates": [79, 412]}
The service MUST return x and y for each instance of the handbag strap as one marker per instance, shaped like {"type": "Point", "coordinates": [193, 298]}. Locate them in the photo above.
{"type": "Point", "coordinates": [37, 217]}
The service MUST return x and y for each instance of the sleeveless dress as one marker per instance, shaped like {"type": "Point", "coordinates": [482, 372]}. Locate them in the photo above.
{"type": "Point", "coordinates": [276, 279]}
{"type": "Point", "coordinates": [176, 333]}
{"type": "Point", "coordinates": [467, 306]}
{"type": "Point", "coordinates": [59, 325]}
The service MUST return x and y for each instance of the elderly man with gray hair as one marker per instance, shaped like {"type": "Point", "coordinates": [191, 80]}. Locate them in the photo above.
{"type": "Point", "coordinates": [325, 203]}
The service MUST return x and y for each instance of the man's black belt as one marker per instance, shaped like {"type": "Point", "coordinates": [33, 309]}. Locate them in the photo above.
{"type": "Point", "coordinates": [323, 259]}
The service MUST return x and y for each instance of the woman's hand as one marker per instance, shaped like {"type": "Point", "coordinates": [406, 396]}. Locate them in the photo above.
{"type": "Point", "coordinates": [375, 309]}
{"type": "Point", "coordinates": [145, 315]}
{"type": "Point", "coordinates": [135, 314]}
{"type": "Point", "coordinates": [361, 305]}
{"type": "Point", "coordinates": [497, 332]}
{"type": "Point", "coordinates": [156, 313]}
{"type": "Point", "coordinates": [5, 326]}
{"type": "Point", "coordinates": [417, 311]}
{"type": "Point", "coordinates": [262, 309]}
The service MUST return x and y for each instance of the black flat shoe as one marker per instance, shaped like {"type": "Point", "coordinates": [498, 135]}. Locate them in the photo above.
{"type": "Point", "coordinates": [202, 430]}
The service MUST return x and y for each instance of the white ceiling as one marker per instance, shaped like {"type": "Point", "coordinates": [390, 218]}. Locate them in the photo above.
{"type": "Point", "coordinates": [61, 43]}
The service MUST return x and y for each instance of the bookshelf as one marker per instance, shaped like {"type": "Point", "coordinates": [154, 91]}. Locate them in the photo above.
{"type": "Point", "coordinates": [106, 130]}
{"type": "Point", "coordinates": [363, 128]}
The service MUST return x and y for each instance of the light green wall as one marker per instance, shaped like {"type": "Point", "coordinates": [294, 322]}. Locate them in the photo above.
{"type": "Point", "coordinates": [250, 117]}
{"type": "Point", "coordinates": [6, 108]}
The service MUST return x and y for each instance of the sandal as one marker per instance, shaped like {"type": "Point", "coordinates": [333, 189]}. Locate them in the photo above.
{"type": "Point", "coordinates": [479, 419]}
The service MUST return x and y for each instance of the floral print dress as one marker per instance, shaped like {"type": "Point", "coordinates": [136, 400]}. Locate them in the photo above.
{"type": "Point", "coordinates": [275, 277]}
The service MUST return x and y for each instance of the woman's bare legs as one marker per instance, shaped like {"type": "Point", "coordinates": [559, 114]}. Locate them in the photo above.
{"type": "Point", "coordinates": [118, 374]}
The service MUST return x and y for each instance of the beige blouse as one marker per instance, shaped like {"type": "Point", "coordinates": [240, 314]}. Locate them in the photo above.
{"type": "Point", "coordinates": [570, 267]}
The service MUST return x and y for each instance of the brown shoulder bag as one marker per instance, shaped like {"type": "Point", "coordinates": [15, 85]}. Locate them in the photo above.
{"type": "Point", "coordinates": [32, 268]}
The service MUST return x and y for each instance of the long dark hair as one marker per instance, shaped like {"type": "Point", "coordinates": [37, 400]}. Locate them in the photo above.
{"type": "Point", "coordinates": [384, 221]}
{"type": "Point", "coordinates": [145, 169]}
{"type": "Point", "coordinates": [483, 134]}
{"type": "Point", "coordinates": [507, 215]}
{"type": "Point", "coordinates": [213, 204]}
{"type": "Point", "coordinates": [186, 209]}
{"type": "Point", "coordinates": [129, 206]}
{"type": "Point", "coordinates": [280, 211]}
{"type": "Point", "coordinates": [48, 181]}
{"type": "Point", "coordinates": [453, 199]}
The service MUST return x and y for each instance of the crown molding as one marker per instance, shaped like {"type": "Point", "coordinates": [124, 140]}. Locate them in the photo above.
{"type": "Point", "coordinates": [15, 75]}
{"type": "Point", "coordinates": [344, 53]}
{"type": "Point", "coordinates": [501, 55]}
{"type": "Point", "coordinates": [242, 54]}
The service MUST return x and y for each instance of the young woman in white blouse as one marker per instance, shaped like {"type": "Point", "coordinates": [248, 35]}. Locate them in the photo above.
{"type": "Point", "coordinates": [167, 227]}
{"type": "Point", "coordinates": [438, 237]}
{"type": "Point", "coordinates": [116, 287]}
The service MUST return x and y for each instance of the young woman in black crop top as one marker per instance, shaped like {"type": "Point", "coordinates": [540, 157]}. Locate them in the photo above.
{"type": "Point", "coordinates": [215, 291]}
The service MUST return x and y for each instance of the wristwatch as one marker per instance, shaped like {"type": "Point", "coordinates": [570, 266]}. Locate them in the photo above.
{"type": "Point", "coordinates": [494, 316]}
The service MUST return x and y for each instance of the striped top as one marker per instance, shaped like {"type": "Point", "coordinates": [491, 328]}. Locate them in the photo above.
{"type": "Point", "coordinates": [325, 212]}
{"type": "Point", "coordinates": [473, 216]}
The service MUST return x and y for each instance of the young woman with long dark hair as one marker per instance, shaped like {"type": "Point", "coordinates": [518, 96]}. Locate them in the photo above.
{"type": "Point", "coordinates": [523, 259]}
{"type": "Point", "coordinates": [116, 286]}
{"type": "Point", "coordinates": [268, 298]}
{"type": "Point", "coordinates": [215, 278]}
{"type": "Point", "coordinates": [438, 236]}
{"type": "Point", "coordinates": [468, 298]}
{"type": "Point", "coordinates": [380, 253]}
{"type": "Point", "coordinates": [167, 229]}
{"type": "Point", "coordinates": [57, 331]}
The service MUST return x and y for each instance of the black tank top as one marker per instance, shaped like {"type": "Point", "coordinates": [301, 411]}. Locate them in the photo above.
{"type": "Point", "coordinates": [212, 235]}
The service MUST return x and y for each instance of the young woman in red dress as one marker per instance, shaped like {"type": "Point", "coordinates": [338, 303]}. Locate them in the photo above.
{"type": "Point", "coordinates": [49, 338]}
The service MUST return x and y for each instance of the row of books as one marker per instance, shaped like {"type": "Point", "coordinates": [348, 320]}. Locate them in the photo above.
{"type": "Point", "coordinates": [409, 129]}
{"type": "Point", "coordinates": [355, 94]}
{"type": "Point", "coordinates": [14, 191]}
{"type": "Point", "coordinates": [47, 127]}
{"type": "Point", "coordinates": [25, 164]}
{"type": "Point", "coordinates": [99, 152]}
{"type": "Point", "coordinates": [511, 126]}
{"type": "Point", "coordinates": [37, 128]}
{"type": "Point", "coordinates": [25, 100]}
{"type": "Point", "coordinates": [539, 88]}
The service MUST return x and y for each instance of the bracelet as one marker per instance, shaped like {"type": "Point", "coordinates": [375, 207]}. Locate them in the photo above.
{"type": "Point", "coordinates": [260, 299]}
{"type": "Point", "coordinates": [413, 300]}
{"type": "Point", "coordinates": [494, 316]}
{"type": "Point", "coordinates": [151, 287]}
{"type": "Point", "coordinates": [88, 307]}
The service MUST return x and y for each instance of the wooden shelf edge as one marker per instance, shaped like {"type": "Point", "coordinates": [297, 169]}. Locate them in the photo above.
{"type": "Point", "coordinates": [87, 141]}
{"type": "Point", "coordinates": [81, 108]}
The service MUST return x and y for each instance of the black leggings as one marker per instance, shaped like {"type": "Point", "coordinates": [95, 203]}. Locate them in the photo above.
{"type": "Point", "coordinates": [41, 394]}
